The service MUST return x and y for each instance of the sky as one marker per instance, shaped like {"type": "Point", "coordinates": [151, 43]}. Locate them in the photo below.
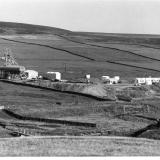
{"type": "Point", "coordinates": [109, 16]}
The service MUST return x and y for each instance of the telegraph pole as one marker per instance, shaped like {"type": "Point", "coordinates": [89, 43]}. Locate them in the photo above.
{"type": "Point", "coordinates": [65, 67]}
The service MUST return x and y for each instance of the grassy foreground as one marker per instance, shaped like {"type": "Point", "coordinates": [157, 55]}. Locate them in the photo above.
{"type": "Point", "coordinates": [79, 146]}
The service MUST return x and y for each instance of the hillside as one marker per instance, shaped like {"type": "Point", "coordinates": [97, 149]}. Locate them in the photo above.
{"type": "Point", "coordinates": [77, 53]}
{"type": "Point", "coordinates": [21, 28]}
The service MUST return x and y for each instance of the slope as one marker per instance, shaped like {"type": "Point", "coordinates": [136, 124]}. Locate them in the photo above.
{"type": "Point", "coordinates": [95, 53]}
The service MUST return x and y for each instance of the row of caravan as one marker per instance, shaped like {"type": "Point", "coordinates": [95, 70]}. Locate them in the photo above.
{"type": "Point", "coordinates": [147, 81]}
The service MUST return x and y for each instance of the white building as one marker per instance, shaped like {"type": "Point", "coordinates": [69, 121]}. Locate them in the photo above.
{"type": "Point", "coordinates": [117, 78]}
{"type": "Point", "coordinates": [29, 74]}
{"type": "Point", "coordinates": [57, 75]}
{"type": "Point", "coordinates": [88, 77]}
{"type": "Point", "coordinates": [113, 80]}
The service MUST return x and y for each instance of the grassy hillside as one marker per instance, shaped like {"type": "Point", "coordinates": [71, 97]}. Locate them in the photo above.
{"type": "Point", "coordinates": [78, 53]}
{"type": "Point", "coordinates": [21, 28]}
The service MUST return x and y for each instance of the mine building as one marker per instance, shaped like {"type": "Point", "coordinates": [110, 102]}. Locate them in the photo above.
{"type": "Point", "coordinates": [11, 72]}
{"type": "Point", "coordinates": [10, 68]}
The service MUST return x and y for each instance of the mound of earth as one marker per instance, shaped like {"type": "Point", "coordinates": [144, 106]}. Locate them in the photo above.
{"type": "Point", "coordinates": [97, 90]}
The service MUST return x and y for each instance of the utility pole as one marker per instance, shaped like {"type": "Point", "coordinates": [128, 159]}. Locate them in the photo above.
{"type": "Point", "coordinates": [65, 67]}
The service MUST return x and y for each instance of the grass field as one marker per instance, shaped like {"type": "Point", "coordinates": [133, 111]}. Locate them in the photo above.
{"type": "Point", "coordinates": [111, 118]}
{"type": "Point", "coordinates": [79, 146]}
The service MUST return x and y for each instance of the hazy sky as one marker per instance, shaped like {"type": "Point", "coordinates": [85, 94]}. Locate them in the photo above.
{"type": "Point", "coordinates": [110, 16]}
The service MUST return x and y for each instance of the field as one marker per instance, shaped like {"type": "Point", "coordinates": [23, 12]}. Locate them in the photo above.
{"type": "Point", "coordinates": [75, 54]}
{"type": "Point", "coordinates": [78, 146]}
{"type": "Point", "coordinates": [111, 117]}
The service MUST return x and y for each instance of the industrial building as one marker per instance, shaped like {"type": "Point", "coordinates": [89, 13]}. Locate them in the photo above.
{"type": "Point", "coordinates": [11, 72]}
{"type": "Point", "coordinates": [10, 68]}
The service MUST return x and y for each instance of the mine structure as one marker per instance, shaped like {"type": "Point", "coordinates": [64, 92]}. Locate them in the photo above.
{"type": "Point", "coordinates": [10, 69]}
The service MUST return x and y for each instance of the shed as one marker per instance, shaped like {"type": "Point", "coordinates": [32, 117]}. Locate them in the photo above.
{"type": "Point", "coordinates": [54, 75]}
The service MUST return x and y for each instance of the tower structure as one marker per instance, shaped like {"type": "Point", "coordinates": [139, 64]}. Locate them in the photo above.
{"type": "Point", "coordinates": [10, 68]}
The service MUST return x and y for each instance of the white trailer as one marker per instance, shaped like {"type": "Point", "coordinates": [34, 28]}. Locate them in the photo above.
{"type": "Point", "coordinates": [143, 81]}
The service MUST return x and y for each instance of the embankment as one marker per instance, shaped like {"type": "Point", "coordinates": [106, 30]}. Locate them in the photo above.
{"type": "Point", "coordinates": [95, 91]}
